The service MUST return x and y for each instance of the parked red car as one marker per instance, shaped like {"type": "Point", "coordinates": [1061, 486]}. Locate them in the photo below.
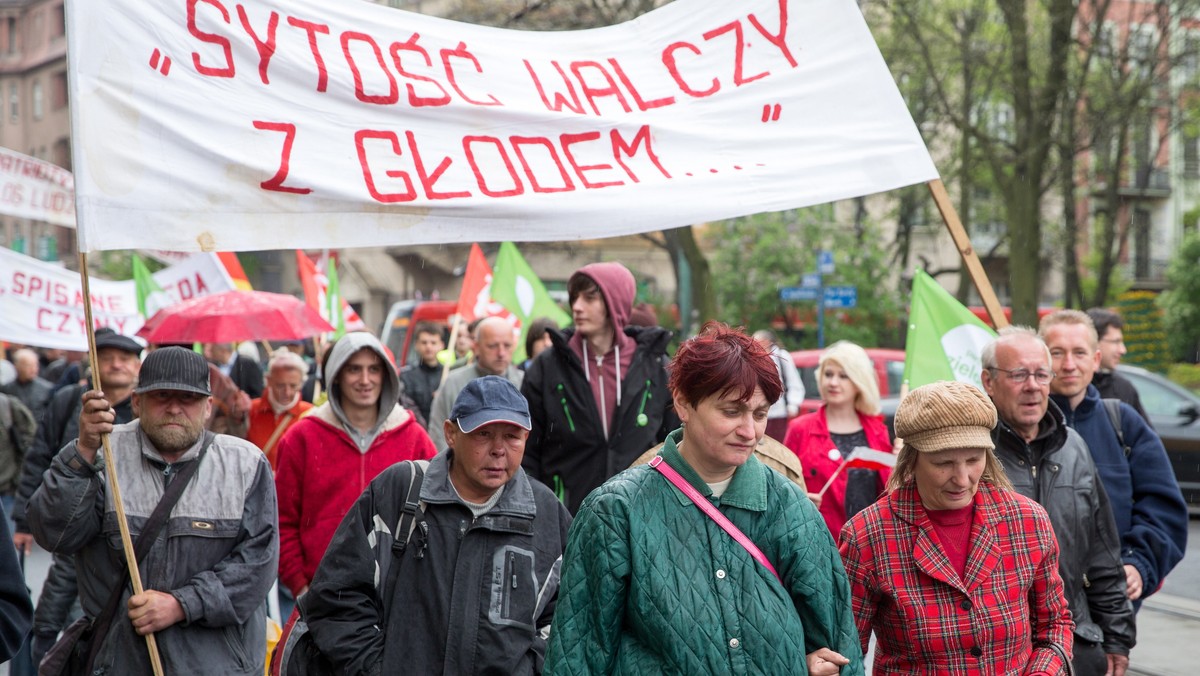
{"type": "Point", "coordinates": [889, 369]}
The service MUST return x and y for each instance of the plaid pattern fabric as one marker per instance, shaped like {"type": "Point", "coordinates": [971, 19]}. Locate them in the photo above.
{"type": "Point", "coordinates": [999, 618]}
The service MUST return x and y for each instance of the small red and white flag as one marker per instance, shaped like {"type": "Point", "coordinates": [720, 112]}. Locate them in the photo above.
{"type": "Point", "coordinates": [869, 458]}
{"type": "Point", "coordinates": [861, 458]}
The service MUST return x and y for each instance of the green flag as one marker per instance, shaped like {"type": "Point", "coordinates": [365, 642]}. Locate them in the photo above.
{"type": "Point", "coordinates": [150, 296]}
{"type": "Point", "coordinates": [515, 287]}
{"type": "Point", "coordinates": [944, 338]}
{"type": "Point", "coordinates": [333, 299]}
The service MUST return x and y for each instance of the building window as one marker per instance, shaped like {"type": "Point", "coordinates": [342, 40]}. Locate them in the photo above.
{"type": "Point", "coordinates": [13, 109]}
{"type": "Point", "coordinates": [1191, 155]}
{"type": "Point", "coordinates": [1141, 244]}
{"type": "Point", "coordinates": [59, 28]}
{"type": "Point", "coordinates": [62, 153]}
{"type": "Point", "coordinates": [36, 91]}
{"type": "Point", "coordinates": [1190, 59]}
{"type": "Point", "coordinates": [58, 91]}
{"type": "Point", "coordinates": [12, 35]}
{"type": "Point", "coordinates": [1143, 49]}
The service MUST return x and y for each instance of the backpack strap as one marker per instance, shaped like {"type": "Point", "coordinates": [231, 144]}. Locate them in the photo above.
{"type": "Point", "coordinates": [412, 514]}
{"type": "Point", "coordinates": [1113, 408]}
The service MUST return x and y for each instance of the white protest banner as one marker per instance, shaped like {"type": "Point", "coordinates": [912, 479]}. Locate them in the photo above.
{"type": "Point", "coordinates": [31, 188]}
{"type": "Point", "coordinates": [224, 125]}
{"type": "Point", "coordinates": [42, 304]}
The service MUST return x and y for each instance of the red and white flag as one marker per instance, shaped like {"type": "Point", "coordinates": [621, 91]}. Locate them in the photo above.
{"type": "Point", "coordinates": [869, 458]}
{"type": "Point", "coordinates": [315, 283]}
{"type": "Point", "coordinates": [475, 298]}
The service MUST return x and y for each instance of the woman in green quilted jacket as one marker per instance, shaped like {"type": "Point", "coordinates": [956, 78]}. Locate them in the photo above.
{"type": "Point", "coordinates": [652, 584]}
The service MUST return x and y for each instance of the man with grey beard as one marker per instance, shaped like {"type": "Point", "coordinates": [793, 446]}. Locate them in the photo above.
{"type": "Point", "coordinates": [207, 575]}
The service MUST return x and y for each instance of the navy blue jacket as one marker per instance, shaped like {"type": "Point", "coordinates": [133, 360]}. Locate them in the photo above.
{"type": "Point", "coordinates": [1151, 516]}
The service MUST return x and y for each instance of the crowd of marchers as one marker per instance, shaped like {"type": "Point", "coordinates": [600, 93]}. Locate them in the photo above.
{"type": "Point", "coordinates": [603, 507]}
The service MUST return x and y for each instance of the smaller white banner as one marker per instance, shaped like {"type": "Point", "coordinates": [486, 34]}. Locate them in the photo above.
{"type": "Point", "coordinates": [41, 304]}
{"type": "Point", "coordinates": [31, 188]}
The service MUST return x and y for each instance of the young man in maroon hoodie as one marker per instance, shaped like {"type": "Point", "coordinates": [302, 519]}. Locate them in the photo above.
{"type": "Point", "coordinates": [598, 396]}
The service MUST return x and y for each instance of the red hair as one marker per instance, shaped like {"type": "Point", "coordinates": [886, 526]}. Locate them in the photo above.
{"type": "Point", "coordinates": [721, 360]}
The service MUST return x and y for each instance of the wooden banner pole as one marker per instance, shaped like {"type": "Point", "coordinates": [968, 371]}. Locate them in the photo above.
{"type": "Point", "coordinates": [970, 258]}
{"type": "Point", "coordinates": [110, 468]}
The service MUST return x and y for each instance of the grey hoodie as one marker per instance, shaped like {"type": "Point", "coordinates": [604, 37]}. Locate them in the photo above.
{"type": "Point", "coordinates": [345, 348]}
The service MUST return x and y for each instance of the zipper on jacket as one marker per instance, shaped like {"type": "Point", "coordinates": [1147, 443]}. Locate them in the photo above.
{"type": "Point", "coordinates": [642, 419]}
{"type": "Point", "coordinates": [566, 410]}
{"type": "Point", "coordinates": [1033, 468]}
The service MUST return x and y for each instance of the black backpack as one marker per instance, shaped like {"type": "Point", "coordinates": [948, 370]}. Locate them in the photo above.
{"type": "Point", "coordinates": [297, 653]}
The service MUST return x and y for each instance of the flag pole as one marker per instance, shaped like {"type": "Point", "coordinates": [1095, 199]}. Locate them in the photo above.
{"type": "Point", "coordinates": [453, 342]}
{"type": "Point", "coordinates": [110, 466]}
{"type": "Point", "coordinates": [970, 259]}
{"type": "Point", "coordinates": [833, 476]}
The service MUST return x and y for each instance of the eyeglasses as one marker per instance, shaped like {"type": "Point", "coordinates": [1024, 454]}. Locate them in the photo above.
{"type": "Point", "coordinates": [1019, 376]}
{"type": "Point", "coordinates": [1113, 341]}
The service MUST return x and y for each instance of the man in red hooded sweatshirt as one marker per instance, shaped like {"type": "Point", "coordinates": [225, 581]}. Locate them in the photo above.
{"type": "Point", "coordinates": [598, 396]}
{"type": "Point", "coordinates": [327, 458]}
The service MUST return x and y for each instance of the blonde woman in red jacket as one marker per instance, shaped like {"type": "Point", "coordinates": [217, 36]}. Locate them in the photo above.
{"type": "Point", "coordinates": [848, 419]}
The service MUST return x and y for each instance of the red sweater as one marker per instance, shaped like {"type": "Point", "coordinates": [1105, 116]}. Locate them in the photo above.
{"type": "Point", "coordinates": [321, 473]}
{"type": "Point", "coordinates": [808, 437]}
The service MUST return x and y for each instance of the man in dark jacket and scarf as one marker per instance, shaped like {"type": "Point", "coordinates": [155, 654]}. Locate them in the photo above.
{"type": "Point", "coordinates": [119, 366]}
{"type": "Point", "coordinates": [598, 396]}
{"type": "Point", "coordinates": [1049, 463]}
{"type": "Point", "coordinates": [477, 578]}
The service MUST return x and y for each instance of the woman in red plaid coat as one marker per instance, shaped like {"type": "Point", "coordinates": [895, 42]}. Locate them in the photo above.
{"type": "Point", "coordinates": [953, 571]}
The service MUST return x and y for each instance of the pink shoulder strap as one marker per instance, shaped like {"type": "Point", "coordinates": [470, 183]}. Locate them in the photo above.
{"type": "Point", "coordinates": [713, 513]}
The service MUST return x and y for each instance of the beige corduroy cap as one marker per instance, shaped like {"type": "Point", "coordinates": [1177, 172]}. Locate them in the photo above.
{"type": "Point", "coordinates": [946, 415]}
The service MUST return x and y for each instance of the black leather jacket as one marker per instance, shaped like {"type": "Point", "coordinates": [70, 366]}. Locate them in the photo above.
{"type": "Point", "coordinates": [1057, 471]}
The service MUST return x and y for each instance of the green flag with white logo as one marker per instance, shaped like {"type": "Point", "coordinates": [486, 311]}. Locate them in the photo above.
{"type": "Point", "coordinates": [515, 287]}
{"type": "Point", "coordinates": [150, 296]}
{"type": "Point", "coordinates": [944, 338]}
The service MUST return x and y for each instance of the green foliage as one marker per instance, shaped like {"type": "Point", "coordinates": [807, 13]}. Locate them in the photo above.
{"type": "Point", "coordinates": [753, 257]}
{"type": "Point", "coordinates": [1186, 375]}
{"type": "Point", "coordinates": [1181, 302]}
{"type": "Point", "coordinates": [1145, 333]}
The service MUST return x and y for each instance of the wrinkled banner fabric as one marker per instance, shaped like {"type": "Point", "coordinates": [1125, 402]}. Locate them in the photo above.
{"type": "Point", "coordinates": [206, 125]}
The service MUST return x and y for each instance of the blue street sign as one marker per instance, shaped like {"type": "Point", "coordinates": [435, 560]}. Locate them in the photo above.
{"type": "Point", "coordinates": [825, 262]}
{"type": "Point", "coordinates": [841, 296]}
{"type": "Point", "coordinates": [811, 280]}
{"type": "Point", "coordinates": [795, 293]}
{"type": "Point", "coordinates": [835, 296]}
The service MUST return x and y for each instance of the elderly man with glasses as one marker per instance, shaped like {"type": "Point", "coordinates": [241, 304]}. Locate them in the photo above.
{"type": "Point", "coordinates": [1049, 462]}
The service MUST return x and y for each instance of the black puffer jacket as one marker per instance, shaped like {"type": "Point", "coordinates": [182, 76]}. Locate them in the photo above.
{"type": "Point", "coordinates": [1057, 471]}
{"type": "Point", "coordinates": [567, 449]}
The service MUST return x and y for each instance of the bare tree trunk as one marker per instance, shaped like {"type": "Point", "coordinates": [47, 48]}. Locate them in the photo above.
{"type": "Point", "coordinates": [1066, 172]}
{"type": "Point", "coordinates": [704, 296]}
{"type": "Point", "coordinates": [1112, 219]}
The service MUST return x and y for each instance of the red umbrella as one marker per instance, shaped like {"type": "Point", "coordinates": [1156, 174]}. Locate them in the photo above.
{"type": "Point", "coordinates": [234, 316]}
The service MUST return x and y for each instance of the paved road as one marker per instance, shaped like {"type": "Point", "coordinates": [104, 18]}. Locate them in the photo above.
{"type": "Point", "coordinates": [1169, 622]}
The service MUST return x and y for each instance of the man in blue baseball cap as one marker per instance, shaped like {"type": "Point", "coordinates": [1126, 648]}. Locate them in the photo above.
{"type": "Point", "coordinates": [465, 579]}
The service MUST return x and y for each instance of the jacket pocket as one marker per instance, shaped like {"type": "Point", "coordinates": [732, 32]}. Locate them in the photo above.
{"type": "Point", "coordinates": [235, 641]}
{"type": "Point", "coordinates": [514, 588]}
